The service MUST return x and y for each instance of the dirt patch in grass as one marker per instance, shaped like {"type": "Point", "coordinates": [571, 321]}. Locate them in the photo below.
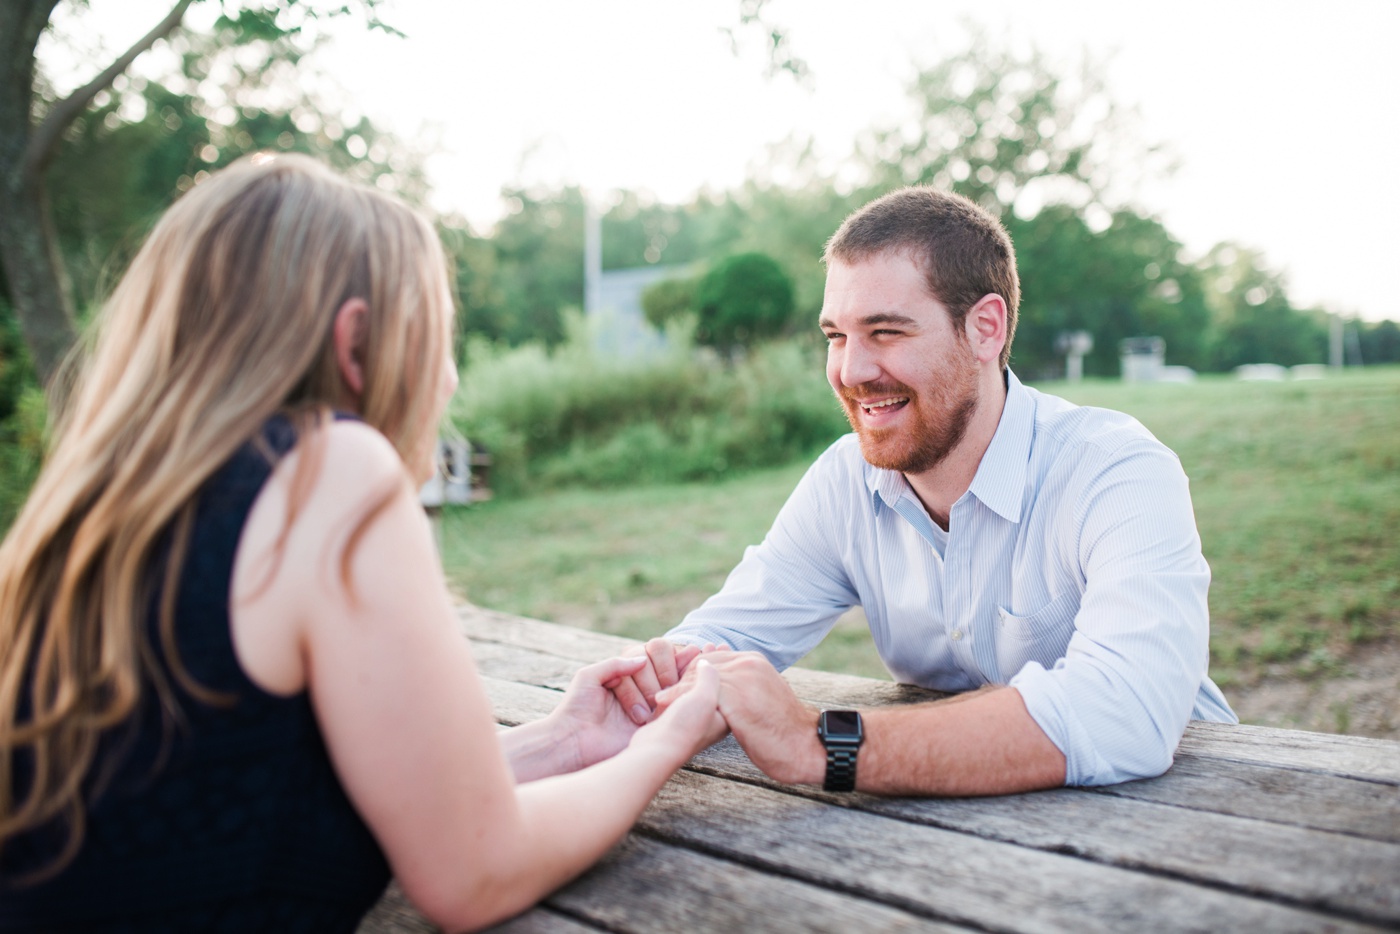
{"type": "Point", "coordinates": [1360, 695]}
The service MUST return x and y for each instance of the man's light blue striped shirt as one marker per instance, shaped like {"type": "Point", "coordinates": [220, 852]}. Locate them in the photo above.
{"type": "Point", "coordinates": [1071, 570]}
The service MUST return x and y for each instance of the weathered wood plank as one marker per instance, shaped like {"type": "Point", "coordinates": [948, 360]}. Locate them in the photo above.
{"type": "Point", "coordinates": [566, 641]}
{"type": "Point", "coordinates": [1301, 866]}
{"type": "Point", "coordinates": [1376, 760]}
{"type": "Point", "coordinates": [498, 635]}
{"type": "Point", "coordinates": [1307, 868]}
{"type": "Point", "coordinates": [528, 666]}
{"type": "Point", "coordinates": [952, 875]}
{"type": "Point", "coordinates": [543, 921]}
{"type": "Point", "coordinates": [647, 885]}
{"type": "Point", "coordinates": [1246, 789]}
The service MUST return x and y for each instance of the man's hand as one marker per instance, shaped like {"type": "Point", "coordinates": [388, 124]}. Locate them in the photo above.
{"type": "Point", "coordinates": [665, 665]}
{"type": "Point", "coordinates": [777, 730]}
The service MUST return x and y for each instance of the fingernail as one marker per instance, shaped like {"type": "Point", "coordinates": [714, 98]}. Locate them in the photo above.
{"type": "Point", "coordinates": [640, 713]}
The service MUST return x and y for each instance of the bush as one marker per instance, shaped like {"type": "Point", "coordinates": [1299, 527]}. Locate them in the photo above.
{"type": "Point", "coordinates": [667, 301]}
{"type": "Point", "coordinates": [575, 418]}
{"type": "Point", "coordinates": [742, 300]}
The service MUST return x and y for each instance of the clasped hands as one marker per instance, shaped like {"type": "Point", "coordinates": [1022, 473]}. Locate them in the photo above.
{"type": "Point", "coordinates": [689, 695]}
{"type": "Point", "coordinates": [774, 727]}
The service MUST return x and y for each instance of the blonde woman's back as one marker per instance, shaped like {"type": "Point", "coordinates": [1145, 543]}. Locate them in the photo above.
{"type": "Point", "coordinates": [235, 820]}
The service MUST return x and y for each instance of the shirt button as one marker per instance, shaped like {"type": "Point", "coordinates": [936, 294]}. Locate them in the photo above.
{"type": "Point", "coordinates": [957, 634]}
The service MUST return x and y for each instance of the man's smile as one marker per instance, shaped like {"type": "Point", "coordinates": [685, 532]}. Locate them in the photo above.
{"type": "Point", "coordinates": [883, 407]}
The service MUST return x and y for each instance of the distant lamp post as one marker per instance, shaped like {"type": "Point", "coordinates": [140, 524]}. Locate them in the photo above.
{"type": "Point", "coordinates": [1074, 345]}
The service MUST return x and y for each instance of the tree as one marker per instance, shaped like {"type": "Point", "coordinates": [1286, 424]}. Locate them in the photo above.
{"type": "Point", "coordinates": [1255, 322]}
{"type": "Point", "coordinates": [539, 261]}
{"type": "Point", "coordinates": [1380, 342]}
{"type": "Point", "coordinates": [1124, 281]}
{"type": "Point", "coordinates": [742, 300]}
{"type": "Point", "coordinates": [34, 125]}
{"type": "Point", "coordinates": [1011, 132]}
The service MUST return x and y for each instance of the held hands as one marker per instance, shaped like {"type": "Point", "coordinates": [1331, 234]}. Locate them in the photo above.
{"type": "Point", "coordinates": [665, 664]}
{"type": "Point", "coordinates": [776, 729]}
{"type": "Point", "coordinates": [689, 720]}
{"type": "Point", "coordinates": [592, 724]}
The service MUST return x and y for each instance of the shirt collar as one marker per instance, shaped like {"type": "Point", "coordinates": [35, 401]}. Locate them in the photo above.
{"type": "Point", "coordinates": [1000, 481]}
{"type": "Point", "coordinates": [1001, 476]}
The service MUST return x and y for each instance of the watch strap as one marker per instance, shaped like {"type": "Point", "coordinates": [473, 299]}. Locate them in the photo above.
{"type": "Point", "coordinates": [840, 768]}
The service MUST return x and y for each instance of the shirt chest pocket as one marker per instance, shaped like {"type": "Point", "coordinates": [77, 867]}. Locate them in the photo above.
{"type": "Point", "coordinates": [1040, 636]}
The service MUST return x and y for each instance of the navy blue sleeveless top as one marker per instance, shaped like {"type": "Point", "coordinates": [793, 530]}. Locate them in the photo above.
{"type": "Point", "coordinates": [228, 818]}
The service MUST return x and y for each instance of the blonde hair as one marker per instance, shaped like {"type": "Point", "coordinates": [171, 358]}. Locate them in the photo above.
{"type": "Point", "coordinates": [224, 319]}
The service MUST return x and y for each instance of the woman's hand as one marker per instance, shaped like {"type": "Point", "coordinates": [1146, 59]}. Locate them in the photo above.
{"type": "Point", "coordinates": [590, 724]}
{"type": "Point", "coordinates": [690, 720]}
{"type": "Point", "coordinates": [590, 721]}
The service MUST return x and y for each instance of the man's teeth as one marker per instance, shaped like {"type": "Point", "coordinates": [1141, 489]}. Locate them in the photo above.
{"type": "Point", "coordinates": [885, 403]}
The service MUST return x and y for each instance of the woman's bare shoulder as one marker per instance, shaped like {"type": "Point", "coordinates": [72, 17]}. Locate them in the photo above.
{"type": "Point", "coordinates": [353, 454]}
{"type": "Point", "coordinates": [339, 480]}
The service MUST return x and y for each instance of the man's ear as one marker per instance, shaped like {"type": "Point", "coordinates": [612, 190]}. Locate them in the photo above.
{"type": "Point", "coordinates": [986, 327]}
{"type": "Point", "coordinates": [349, 335]}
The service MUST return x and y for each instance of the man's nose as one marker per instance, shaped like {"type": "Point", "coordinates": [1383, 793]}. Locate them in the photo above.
{"type": "Point", "coordinates": [858, 364]}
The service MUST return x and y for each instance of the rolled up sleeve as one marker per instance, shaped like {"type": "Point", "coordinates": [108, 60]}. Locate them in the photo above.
{"type": "Point", "coordinates": [1118, 702]}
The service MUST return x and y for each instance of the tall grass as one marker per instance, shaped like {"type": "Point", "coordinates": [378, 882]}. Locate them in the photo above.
{"type": "Point", "coordinates": [578, 418]}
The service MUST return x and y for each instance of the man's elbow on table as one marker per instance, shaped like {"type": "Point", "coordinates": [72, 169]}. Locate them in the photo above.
{"type": "Point", "coordinates": [1106, 737]}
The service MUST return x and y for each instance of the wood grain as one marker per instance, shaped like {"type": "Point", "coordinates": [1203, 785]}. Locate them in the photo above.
{"type": "Point", "coordinates": [956, 876]}
{"type": "Point", "coordinates": [653, 886]}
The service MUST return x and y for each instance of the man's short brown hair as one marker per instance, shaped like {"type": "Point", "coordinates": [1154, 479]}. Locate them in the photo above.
{"type": "Point", "coordinates": [965, 252]}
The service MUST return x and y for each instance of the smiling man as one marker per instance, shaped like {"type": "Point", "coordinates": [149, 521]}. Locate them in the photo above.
{"type": "Point", "coordinates": [1039, 559]}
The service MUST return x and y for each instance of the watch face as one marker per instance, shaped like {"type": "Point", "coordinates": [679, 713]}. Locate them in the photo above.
{"type": "Point", "coordinates": [839, 723]}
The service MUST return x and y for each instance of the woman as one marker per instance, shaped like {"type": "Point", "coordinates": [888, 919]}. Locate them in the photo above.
{"type": "Point", "coordinates": [232, 694]}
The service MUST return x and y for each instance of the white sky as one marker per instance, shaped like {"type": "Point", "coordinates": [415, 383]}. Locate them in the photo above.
{"type": "Point", "coordinates": [1283, 114]}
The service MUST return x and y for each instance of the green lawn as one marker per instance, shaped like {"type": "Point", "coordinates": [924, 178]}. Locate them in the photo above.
{"type": "Point", "coordinates": [1296, 488]}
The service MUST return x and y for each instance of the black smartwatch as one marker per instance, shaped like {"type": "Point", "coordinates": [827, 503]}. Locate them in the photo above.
{"type": "Point", "coordinates": [841, 732]}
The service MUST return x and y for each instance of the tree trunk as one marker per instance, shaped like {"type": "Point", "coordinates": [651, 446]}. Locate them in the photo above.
{"type": "Point", "coordinates": [28, 248]}
{"type": "Point", "coordinates": [36, 278]}
{"type": "Point", "coordinates": [32, 269]}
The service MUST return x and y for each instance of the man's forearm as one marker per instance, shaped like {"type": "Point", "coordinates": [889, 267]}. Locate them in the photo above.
{"type": "Point", "coordinates": [985, 743]}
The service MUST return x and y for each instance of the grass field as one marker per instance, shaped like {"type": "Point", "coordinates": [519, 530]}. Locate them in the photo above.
{"type": "Point", "coordinates": [1296, 488]}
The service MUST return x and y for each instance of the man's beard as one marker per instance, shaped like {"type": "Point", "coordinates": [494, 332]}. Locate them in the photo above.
{"type": "Point", "coordinates": [941, 414]}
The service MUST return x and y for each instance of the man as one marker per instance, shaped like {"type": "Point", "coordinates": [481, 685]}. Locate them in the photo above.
{"type": "Point", "coordinates": [1040, 557]}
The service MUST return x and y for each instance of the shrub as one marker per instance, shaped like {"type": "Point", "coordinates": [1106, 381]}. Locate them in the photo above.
{"type": "Point", "coordinates": [576, 418]}
{"type": "Point", "coordinates": [742, 300]}
{"type": "Point", "coordinates": [667, 301]}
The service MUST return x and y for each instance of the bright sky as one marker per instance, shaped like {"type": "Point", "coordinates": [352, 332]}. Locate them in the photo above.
{"type": "Point", "coordinates": [1283, 114]}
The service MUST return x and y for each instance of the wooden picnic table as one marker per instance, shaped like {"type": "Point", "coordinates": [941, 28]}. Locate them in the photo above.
{"type": "Point", "coordinates": [1252, 829]}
